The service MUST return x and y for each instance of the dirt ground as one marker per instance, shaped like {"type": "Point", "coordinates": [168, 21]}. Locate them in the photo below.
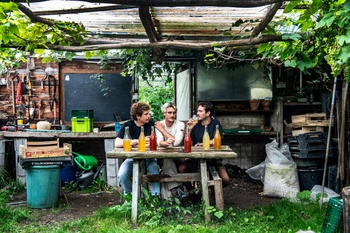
{"type": "Point", "coordinates": [242, 192]}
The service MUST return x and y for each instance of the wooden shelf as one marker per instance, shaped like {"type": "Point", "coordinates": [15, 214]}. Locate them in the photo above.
{"type": "Point", "coordinates": [301, 104]}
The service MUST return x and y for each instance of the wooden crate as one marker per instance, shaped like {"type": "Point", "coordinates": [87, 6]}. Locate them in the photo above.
{"type": "Point", "coordinates": [309, 118]}
{"type": "Point", "coordinates": [46, 151]}
{"type": "Point", "coordinates": [307, 129]}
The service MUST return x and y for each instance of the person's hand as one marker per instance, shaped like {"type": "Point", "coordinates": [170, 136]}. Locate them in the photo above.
{"type": "Point", "coordinates": [191, 123]}
{"type": "Point", "coordinates": [170, 142]}
{"type": "Point", "coordinates": [158, 125]}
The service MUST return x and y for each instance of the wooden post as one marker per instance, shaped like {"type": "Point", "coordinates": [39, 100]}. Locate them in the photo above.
{"type": "Point", "coordinates": [2, 151]}
{"type": "Point", "coordinates": [346, 208]}
{"type": "Point", "coordinates": [205, 191]}
{"type": "Point", "coordinates": [135, 189]}
{"type": "Point", "coordinates": [20, 172]}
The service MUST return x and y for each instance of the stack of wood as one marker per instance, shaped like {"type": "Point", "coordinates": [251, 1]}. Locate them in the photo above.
{"type": "Point", "coordinates": [308, 123]}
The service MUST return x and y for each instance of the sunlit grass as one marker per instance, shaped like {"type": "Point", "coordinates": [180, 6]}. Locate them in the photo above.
{"type": "Point", "coordinates": [282, 216]}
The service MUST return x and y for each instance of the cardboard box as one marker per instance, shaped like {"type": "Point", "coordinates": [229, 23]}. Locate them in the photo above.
{"type": "Point", "coordinates": [46, 151]}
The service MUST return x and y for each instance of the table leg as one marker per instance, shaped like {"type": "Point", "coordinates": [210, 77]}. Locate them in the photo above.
{"type": "Point", "coordinates": [135, 189]}
{"type": "Point", "coordinates": [205, 190]}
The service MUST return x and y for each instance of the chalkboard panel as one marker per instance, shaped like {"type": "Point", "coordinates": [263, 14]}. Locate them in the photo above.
{"type": "Point", "coordinates": [244, 83]}
{"type": "Point", "coordinates": [81, 92]}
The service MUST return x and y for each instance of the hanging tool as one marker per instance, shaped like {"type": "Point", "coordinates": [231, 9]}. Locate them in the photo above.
{"type": "Point", "coordinates": [29, 84]}
{"type": "Point", "coordinates": [13, 92]}
{"type": "Point", "coordinates": [19, 91]}
{"type": "Point", "coordinates": [41, 107]}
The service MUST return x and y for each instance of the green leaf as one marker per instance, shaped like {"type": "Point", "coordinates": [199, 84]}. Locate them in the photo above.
{"type": "Point", "coordinates": [344, 54]}
{"type": "Point", "coordinates": [291, 63]}
{"type": "Point", "coordinates": [327, 20]}
{"type": "Point", "coordinates": [293, 36]}
{"type": "Point", "coordinates": [291, 6]}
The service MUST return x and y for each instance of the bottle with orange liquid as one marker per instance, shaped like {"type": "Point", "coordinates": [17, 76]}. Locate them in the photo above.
{"type": "Point", "coordinates": [142, 141]}
{"type": "Point", "coordinates": [127, 140]}
{"type": "Point", "coordinates": [217, 139]}
{"type": "Point", "coordinates": [206, 139]}
{"type": "Point", "coordinates": [153, 140]}
{"type": "Point", "coordinates": [187, 142]}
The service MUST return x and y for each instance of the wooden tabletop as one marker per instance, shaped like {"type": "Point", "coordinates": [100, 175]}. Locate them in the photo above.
{"type": "Point", "coordinates": [174, 152]}
{"type": "Point", "coordinates": [60, 134]}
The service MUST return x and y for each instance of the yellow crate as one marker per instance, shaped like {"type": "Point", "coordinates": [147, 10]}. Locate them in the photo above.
{"type": "Point", "coordinates": [46, 151]}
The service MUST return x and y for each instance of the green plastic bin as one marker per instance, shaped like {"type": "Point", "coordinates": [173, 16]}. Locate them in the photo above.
{"type": "Point", "coordinates": [43, 183]}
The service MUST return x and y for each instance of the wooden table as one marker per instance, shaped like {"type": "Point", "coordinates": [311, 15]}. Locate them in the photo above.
{"type": "Point", "coordinates": [171, 153]}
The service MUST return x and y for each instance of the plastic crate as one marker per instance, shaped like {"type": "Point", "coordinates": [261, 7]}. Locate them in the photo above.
{"type": "Point", "coordinates": [82, 125]}
{"type": "Point", "coordinates": [333, 221]}
{"type": "Point", "coordinates": [82, 114]}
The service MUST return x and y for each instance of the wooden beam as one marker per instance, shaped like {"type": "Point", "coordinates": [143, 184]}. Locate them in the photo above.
{"type": "Point", "coordinates": [171, 44]}
{"type": "Point", "coordinates": [269, 16]}
{"type": "Point", "coordinates": [223, 3]}
{"type": "Point", "coordinates": [147, 23]}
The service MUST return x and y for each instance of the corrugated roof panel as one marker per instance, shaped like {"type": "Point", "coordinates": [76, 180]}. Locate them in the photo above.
{"type": "Point", "coordinates": [169, 21]}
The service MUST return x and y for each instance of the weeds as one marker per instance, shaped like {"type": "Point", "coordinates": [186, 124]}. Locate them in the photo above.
{"type": "Point", "coordinates": [157, 215]}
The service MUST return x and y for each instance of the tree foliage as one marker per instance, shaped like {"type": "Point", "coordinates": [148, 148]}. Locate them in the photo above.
{"type": "Point", "coordinates": [326, 44]}
{"type": "Point", "coordinates": [315, 36]}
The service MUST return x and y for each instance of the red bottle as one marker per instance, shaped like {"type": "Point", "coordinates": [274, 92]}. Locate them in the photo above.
{"type": "Point", "coordinates": [187, 142]}
{"type": "Point", "coordinates": [152, 141]}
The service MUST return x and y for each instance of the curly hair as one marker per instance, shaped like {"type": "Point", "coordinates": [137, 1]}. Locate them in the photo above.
{"type": "Point", "coordinates": [138, 108]}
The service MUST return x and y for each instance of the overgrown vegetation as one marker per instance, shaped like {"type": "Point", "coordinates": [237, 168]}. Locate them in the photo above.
{"type": "Point", "coordinates": [156, 94]}
{"type": "Point", "coordinates": [170, 216]}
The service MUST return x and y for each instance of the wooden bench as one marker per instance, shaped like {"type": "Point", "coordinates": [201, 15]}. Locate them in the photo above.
{"type": "Point", "coordinates": [213, 180]}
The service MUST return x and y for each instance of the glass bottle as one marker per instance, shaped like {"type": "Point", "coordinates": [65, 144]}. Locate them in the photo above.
{"type": "Point", "coordinates": [152, 140]}
{"type": "Point", "coordinates": [206, 139]}
{"type": "Point", "coordinates": [127, 139]}
{"type": "Point", "coordinates": [142, 141]}
{"type": "Point", "coordinates": [217, 139]}
{"type": "Point", "coordinates": [187, 142]}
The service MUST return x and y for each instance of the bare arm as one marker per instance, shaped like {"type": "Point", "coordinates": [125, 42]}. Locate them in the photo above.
{"type": "Point", "coordinates": [119, 142]}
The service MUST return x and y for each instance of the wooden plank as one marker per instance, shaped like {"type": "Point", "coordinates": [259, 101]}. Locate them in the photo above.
{"type": "Point", "coordinates": [163, 178]}
{"type": "Point", "coordinates": [135, 190]}
{"type": "Point", "coordinates": [20, 172]}
{"type": "Point", "coordinates": [174, 152]}
{"type": "Point", "coordinates": [52, 143]}
{"type": "Point", "coordinates": [219, 195]}
{"type": "Point", "coordinates": [112, 165]}
{"type": "Point", "coordinates": [205, 191]}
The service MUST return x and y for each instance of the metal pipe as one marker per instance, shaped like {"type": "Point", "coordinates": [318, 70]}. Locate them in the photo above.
{"type": "Point", "coordinates": [328, 140]}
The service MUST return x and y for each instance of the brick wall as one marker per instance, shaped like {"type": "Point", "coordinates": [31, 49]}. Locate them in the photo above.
{"type": "Point", "coordinates": [40, 92]}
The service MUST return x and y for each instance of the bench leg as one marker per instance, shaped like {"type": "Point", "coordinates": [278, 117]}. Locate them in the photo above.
{"type": "Point", "coordinates": [217, 182]}
{"type": "Point", "coordinates": [219, 195]}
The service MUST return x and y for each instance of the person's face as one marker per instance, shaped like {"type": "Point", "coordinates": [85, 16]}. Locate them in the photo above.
{"type": "Point", "coordinates": [144, 118]}
{"type": "Point", "coordinates": [202, 115]}
{"type": "Point", "coordinates": [170, 114]}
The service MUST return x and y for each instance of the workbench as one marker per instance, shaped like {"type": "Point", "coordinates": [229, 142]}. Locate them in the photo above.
{"type": "Point", "coordinates": [20, 138]}
{"type": "Point", "coordinates": [171, 153]}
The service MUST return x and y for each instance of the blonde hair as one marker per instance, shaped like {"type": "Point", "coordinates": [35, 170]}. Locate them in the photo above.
{"type": "Point", "coordinates": [168, 105]}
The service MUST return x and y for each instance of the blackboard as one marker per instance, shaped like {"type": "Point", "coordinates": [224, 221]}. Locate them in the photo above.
{"type": "Point", "coordinates": [244, 83]}
{"type": "Point", "coordinates": [82, 92]}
